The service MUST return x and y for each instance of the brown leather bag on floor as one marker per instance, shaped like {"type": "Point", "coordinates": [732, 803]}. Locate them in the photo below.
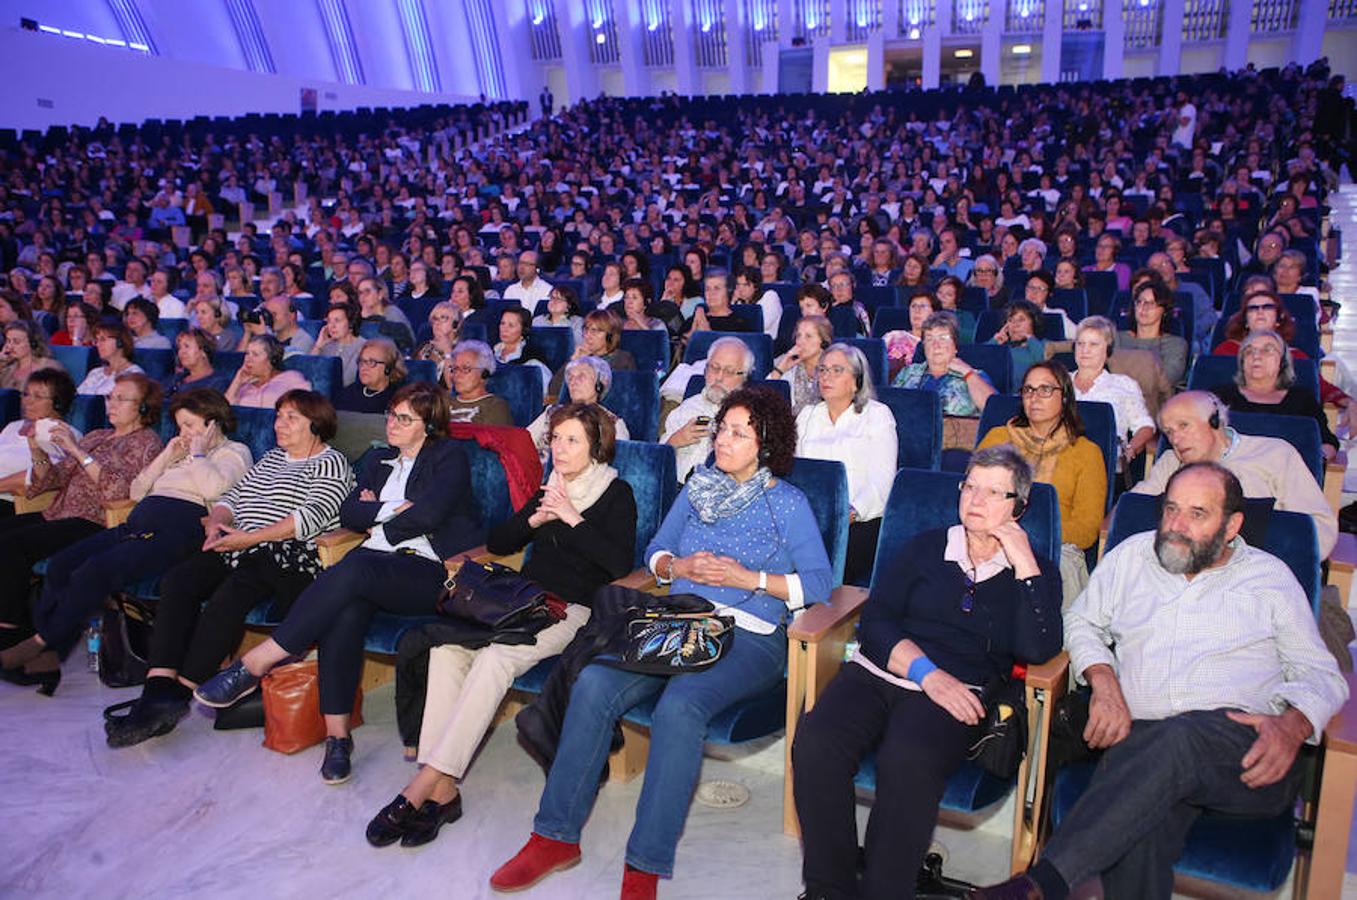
{"type": "Point", "coordinates": [292, 719]}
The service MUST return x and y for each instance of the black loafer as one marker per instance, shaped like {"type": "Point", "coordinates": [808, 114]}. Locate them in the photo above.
{"type": "Point", "coordinates": [430, 818]}
{"type": "Point", "coordinates": [336, 769]}
{"type": "Point", "coordinates": [144, 720]}
{"type": "Point", "coordinates": [390, 825]}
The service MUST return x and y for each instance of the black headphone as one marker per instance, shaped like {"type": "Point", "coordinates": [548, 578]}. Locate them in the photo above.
{"type": "Point", "coordinates": [1214, 420]}
{"type": "Point", "coordinates": [485, 374]}
{"type": "Point", "coordinates": [763, 442]}
{"type": "Point", "coordinates": [389, 367]}
{"type": "Point", "coordinates": [824, 344]}
{"type": "Point", "coordinates": [314, 430]}
{"type": "Point", "coordinates": [1019, 507]}
{"type": "Point", "coordinates": [143, 408]}
{"type": "Point", "coordinates": [598, 389]}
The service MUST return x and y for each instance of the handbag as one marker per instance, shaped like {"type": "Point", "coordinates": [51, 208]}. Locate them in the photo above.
{"type": "Point", "coordinates": [496, 597]}
{"type": "Point", "coordinates": [124, 641]}
{"type": "Point", "coordinates": [292, 719]}
{"type": "Point", "coordinates": [670, 641]}
{"type": "Point", "coordinates": [1003, 739]}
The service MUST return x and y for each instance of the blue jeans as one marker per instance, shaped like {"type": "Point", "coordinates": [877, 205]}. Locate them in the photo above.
{"type": "Point", "coordinates": [678, 727]}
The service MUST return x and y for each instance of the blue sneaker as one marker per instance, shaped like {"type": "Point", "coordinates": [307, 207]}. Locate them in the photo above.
{"type": "Point", "coordinates": [336, 768]}
{"type": "Point", "coordinates": [227, 686]}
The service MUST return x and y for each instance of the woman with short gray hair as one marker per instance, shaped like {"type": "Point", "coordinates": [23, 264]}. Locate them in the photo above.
{"type": "Point", "coordinates": [587, 381]}
{"type": "Point", "coordinates": [1266, 383]}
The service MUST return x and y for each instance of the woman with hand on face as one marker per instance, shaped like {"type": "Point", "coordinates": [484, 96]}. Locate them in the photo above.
{"type": "Point", "coordinates": [261, 379]}
{"type": "Point", "coordinates": [901, 343]}
{"type": "Point", "coordinates": [1050, 436]}
{"type": "Point", "coordinates": [414, 502]}
{"type": "Point", "coordinates": [78, 323]}
{"type": "Point", "coordinates": [172, 496]}
{"type": "Point", "coordinates": [799, 365]}
{"type": "Point", "coordinates": [1022, 324]}
{"type": "Point", "coordinates": [582, 529]}
{"type": "Point", "coordinates": [445, 327]}
{"type": "Point", "coordinates": [636, 300]}
{"type": "Point", "coordinates": [259, 544]}
{"type": "Point", "coordinates": [47, 395]}
{"type": "Point", "coordinates": [950, 614]}
{"type": "Point", "coordinates": [339, 338]}
{"type": "Point", "coordinates": [23, 353]}
{"type": "Point", "coordinates": [743, 538]}
{"type": "Point", "coordinates": [94, 470]}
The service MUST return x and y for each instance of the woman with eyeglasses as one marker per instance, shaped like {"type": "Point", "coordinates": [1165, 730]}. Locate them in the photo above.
{"type": "Point", "coordinates": [851, 426]}
{"type": "Point", "coordinates": [1266, 382]}
{"type": "Point", "coordinates": [951, 612]}
{"type": "Point", "coordinates": [339, 338]}
{"type": "Point", "coordinates": [1153, 307]}
{"type": "Point", "coordinates": [1105, 260]}
{"type": "Point", "coordinates": [963, 388]}
{"type": "Point", "coordinates": [742, 537]}
{"type": "Point", "coordinates": [413, 500]}
{"type": "Point", "coordinates": [93, 470]}
{"type": "Point", "coordinates": [602, 335]}
{"type": "Point", "coordinates": [1049, 434]}
{"type": "Point", "coordinates": [114, 344]}
{"type": "Point", "coordinates": [47, 397]}
{"type": "Point", "coordinates": [563, 311]}
{"type": "Point", "coordinates": [466, 375]}
{"type": "Point", "coordinates": [988, 274]}
{"type": "Point", "coordinates": [381, 371]}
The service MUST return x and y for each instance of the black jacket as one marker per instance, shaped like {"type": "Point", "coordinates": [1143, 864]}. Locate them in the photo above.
{"type": "Point", "coordinates": [439, 491]}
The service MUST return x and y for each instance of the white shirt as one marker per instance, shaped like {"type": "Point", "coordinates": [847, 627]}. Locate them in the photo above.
{"type": "Point", "coordinates": [1126, 399]}
{"type": "Point", "coordinates": [1183, 134]}
{"type": "Point", "coordinates": [15, 456]}
{"type": "Point", "coordinates": [1241, 635]}
{"type": "Point", "coordinates": [865, 442]}
{"type": "Point", "coordinates": [100, 380]}
{"type": "Point", "coordinates": [528, 295]}
{"type": "Point", "coordinates": [125, 290]}
{"type": "Point", "coordinates": [392, 496]}
{"type": "Point", "coordinates": [607, 300]}
{"type": "Point", "coordinates": [687, 458]}
{"type": "Point", "coordinates": [171, 307]}
{"type": "Point", "coordinates": [771, 305]}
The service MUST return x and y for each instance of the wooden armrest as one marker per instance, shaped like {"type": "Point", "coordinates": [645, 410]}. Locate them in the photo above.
{"type": "Point", "coordinates": [1340, 735]}
{"type": "Point", "coordinates": [638, 580]}
{"type": "Point", "coordinates": [817, 621]}
{"type": "Point", "coordinates": [1342, 563]}
{"type": "Point", "coordinates": [333, 545]}
{"type": "Point", "coordinates": [1333, 813]}
{"type": "Point", "coordinates": [37, 503]}
{"type": "Point", "coordinates": [116, 512]}
{"type": "Point", "coordinates": [1102, 533]}
{"type": "Point", "coordinates": [1335, 470]}
{"type": "Point", "coordinates": [1050, 675]}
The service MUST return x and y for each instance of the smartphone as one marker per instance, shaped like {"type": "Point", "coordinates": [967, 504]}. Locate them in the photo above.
{"type": "Point", "coordinates": [704, 421]}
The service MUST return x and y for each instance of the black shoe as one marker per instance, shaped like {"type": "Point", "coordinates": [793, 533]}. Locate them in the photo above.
{"type": "Point", "coordinates": [1019, 887]}
{"type": "Point", "coordinates": [390, 825]}
{"type": "Point", "coordinates": [336, 769]}
{"type": "Point", "coordinates": [44, 671]}
{"type": "Point", "coordinates": [227, 686]}
{"type": "Point", "coordinates": [144, 720]}
{"type": "Point", "coordinates": [431, 817]}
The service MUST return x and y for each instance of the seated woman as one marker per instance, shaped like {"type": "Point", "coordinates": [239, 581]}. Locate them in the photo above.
{"type": "Point", "coordinates": [473, 362]}
{"type": "Point", "coordinates": [988, 274]}
{"type": "Point", "coordinates": [1093, 343]}
{"type": "Point", "coordinates": [1266, 383]}
{"type": "Point", "coordinates": [194, 350]}
{"type": "Point", "coordinates": [949, 293]}
{"type": "Point", "coordinates": [374, 302]}
{"type": "Point", "coordinates": [381, 372]}
{"type": "Point", "coordinates": [582, 530]}
{"type": "Point", "coordinates": [851, 426]}
{"type": "Point", "coordinates": [602, 334]}
{"type": "Point", "coordinates": [743, 538]}
{"type": "Point", "coordinates": [1020, 334]}
{"type": "Point", "coordinates": [749, 289]}
{"type": "Point", "coordinates": [261, 379]}
{"type": "Point", "coordinates": [1050, 436]}
{"type": "Point", "coordinates": [173, 494]}
{"type": "Point", "coordinates": [414, 501]}
{"type": "Point", "coordinates": [1105, 253]}
{"type": "Point", "coordinates": [1153, 309]}
{"type": "Point", "coordinates": [515, 324]}
{"type": "Point", "coordinates": [901, 343]}
{"type": "Point", "coordinates": [77, 324]}
{"type": "Point", "coordinates": [24, 352]}
{"type": "Point", "coordinates": [339, 338]}
{"type": "Point", "coordinates": [260, 545]}
{"type": "Point", "coordinates": [964, 389]}
{"type": "Point", "coordinates": [213, 317]}
{"type": "Point", "coordinates": [951, 613]}
{"type": "Point", "coordinates": [563, 311]}
{"type": "Point", "coordinates": [47, 397]}
{"type": "Point", "coordinates": [1037, 291]}
{"type": "Point", "coordinates": [799, 366]}
{"type": "Point", "coordinates": [637, 297]}
{"type": "Point", "coordinates": [588, 379]}
{"type": "Point", "coordinates": [141, 317]}
{"type": "Point", "coordinates": [113, 343]}
{"type": "Point", "coordinates": [95, 470]}
{"type": "Point", "coordinates": [445, 327]}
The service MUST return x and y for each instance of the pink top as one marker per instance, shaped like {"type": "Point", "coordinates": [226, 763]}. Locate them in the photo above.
{"type": "Point", "coordinates": [120, 459]}
{"type": "Point", "coordinates": [266, 395]}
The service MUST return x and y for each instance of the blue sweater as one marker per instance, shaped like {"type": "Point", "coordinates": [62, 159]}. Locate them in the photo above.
{"type": "Point", "coordinates": [917, 595]}
{"type": "Point", "coordinates": [778, 537]}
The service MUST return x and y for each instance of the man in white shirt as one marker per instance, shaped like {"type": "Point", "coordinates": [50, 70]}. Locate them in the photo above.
{"type": "Point", "coordinates": [528, 289]}
{"type": "Point", "coordinates": [1186, 128]}
{"type": "Point", "coordinates": [133, 284]}
{"type": "Point", "coordinates": [688, 428]}
{"type": "Point", "coordinates": [1208, 674]}
{"type": "Point", "coordinates": [1196, 424]}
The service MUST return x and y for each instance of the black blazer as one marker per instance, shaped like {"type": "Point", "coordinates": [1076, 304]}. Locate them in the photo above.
{"type": "Point", "coordinates": [439, 491]}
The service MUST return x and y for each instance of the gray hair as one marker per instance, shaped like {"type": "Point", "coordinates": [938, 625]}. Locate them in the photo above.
{"type": "Point", "coordinates": [1286, 375]}
{"type": "Point", "coordinates": [485, 357]}
{"type": "Point", "coordinates": [746, 353]}
{"type": "Point", "coordinates": [1103, 326]}
{"type": "Point", "coordinates": [946, 319]}
{"type": "Point", "coordinates": [998, 271]}
{"type": "Point", "coordinates": [1005, 456]}
{"type": "Point", "coordinates": [857, 361]}
{"type": "Point", "coordinates": [602, 372]}
{"type": "Point", "coordinates": [1032, 243]}
{"type": "Point", "coordinates": [1204, 404]}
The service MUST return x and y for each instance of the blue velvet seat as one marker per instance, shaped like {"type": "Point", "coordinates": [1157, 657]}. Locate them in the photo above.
{"type": "Point", "coordinates": [521, 388]}
{"type": "Point", "coordinates": [1250, 853]}
{"type": "Point", "coordinates": [1100, 287]}
{"type": "Point", "coordinates": [422, 370]}
{"type": "Point", "coordinates": [326, 373]}
{"type": "Point", "coordinates": [874, 348]}
{"type": "Point", "coordinates": [1100, 427]}
{"type": "Point", "coordinates": [761, 344]}
{"type": "Point", "coordinates": [918, 426]}
{"type": "Point", "coordinates": [890, 318]}
{"type": "Point", "coordinates": [635, 396]}
{"type": "Point", "coordinates": [254, 429]}
{"type": "Point", "coordinates": [87, 413]}
{"type": "Point", "coordinates": [77, 361]}
{"type": "Point", "coordinates": [171, 328]}
{"type": "Point", "coordinates": [156, 363]}
{"type": "Point", "coordinates": [1074, 301]}
{"type": "Point", "coordinates": [650, 349]}
{"type": "Point", "coordinates": [9, 406]}
{"type": "Point", "coordinates": [552, 343]}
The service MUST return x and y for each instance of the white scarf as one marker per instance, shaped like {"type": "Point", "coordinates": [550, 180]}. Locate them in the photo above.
{"type": "Point", "coordinates": [585, 488]}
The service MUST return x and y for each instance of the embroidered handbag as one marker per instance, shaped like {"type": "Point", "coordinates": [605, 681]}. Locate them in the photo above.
{"type": "Point", "coordinates": [670, 642]}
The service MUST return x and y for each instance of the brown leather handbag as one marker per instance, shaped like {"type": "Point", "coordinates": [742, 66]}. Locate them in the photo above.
{"type": "Point", "coordinates": [292, 719]}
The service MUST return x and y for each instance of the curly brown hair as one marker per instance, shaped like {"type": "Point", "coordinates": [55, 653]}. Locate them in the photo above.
{"type": "Point", "coordinates": [770, 415]}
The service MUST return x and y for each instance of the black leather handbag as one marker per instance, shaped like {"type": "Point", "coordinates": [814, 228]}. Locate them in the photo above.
{"type": "Point", "coordinates": [495, 597]}
{"type": "Point", "coordinates": [124, 641]}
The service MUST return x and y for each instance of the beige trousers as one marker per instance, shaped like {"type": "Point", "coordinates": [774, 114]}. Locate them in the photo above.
{"type": "Point", "coordinates": [466, 687]}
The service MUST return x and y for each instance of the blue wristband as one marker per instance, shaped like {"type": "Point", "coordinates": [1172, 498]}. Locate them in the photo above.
{"type": "Point", "coordinates": [919, 669]}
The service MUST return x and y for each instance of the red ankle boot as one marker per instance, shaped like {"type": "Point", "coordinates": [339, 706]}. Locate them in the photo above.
{"type": "Point", "coordinates": [638, 885]}
{"type": "Point", "coordinates": [539, 857]}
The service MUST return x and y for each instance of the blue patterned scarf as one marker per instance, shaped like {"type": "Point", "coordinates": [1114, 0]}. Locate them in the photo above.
{"type": "Point", "coordinates": [715, 495]}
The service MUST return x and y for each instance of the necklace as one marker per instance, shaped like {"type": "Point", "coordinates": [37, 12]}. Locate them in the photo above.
{"type": "Point", "coordinates": [368, 393]}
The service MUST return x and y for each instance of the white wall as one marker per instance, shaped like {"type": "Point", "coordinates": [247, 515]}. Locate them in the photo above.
{"type": "Point", "coordinates": [83, 81]}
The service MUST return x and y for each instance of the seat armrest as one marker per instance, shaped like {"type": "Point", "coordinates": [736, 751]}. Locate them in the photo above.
{"type": "Point", "coordinates": [1102, 532]}
{"type": "Point", "coordinates": [1334, 472]}
{"type": "Point", "coordinates": [1053, 672]}
{"type": "Point", "coordinates": [37, 503]}
{"type": "Point", "coordinates": [638, 580]}
{"type": "Point", "coordinates": [819, 620]}
{"type": "Point", "coordinates": [1333, 813]}
{"type": "Point", "coordinates": [117, 511]}
{"type": "Point", "coordinates": [333, 545]}
{"type": "Point", "coordinates": [1342, 562]}
{"type": "Point", "coordinates": [1045, 684]}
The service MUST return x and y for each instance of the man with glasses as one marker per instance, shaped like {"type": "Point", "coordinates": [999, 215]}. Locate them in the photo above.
{"type": "Point", "coordinates": [688, 428]}
{"type": "Point", "coordinates": [529, 289]}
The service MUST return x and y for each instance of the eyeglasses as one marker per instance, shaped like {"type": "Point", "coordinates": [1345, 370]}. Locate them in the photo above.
{"type": "Point", "coordinates": [1146, 304]}
{"type": "Point", "coordinates": [1044, 391]}
{"type": "Point", "coordinates": [986, 494]}
{"type": "Point", "coordinates": [462, 370]}
{"type": "Point", "coordinates": [724, 371]}
{"type": "Point", "coordinates": [370, 363]}
{"type": "Point", "coordinates": [34, 395]}
{"type": "Point", "coordinates": [404, 419]}
{"type": "Point", "coordinates": [1261, 307]}
{"type": "Point", "coordinates": [1263, 350]}
{"type": "Point", "coordinates": [595, 329]}
{"type": "Point", "coordinates": [836, 371]}
{"type": "Point", "coordinates": [986, 270]}
{"type": "Point", "coordinates": [114, 398]}
{"type": "Point", "coordinates": [724, 430]}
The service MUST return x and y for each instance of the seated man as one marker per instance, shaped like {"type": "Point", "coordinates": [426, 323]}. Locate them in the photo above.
{"type": "Point", "coordinates": [1208, 673]}
{"type": "Point", "coordinates": [688, 427]}
{"type": "Point", "coordinates": [1196, 424]}
{"type": "Point", "coordinates": [529, 289]}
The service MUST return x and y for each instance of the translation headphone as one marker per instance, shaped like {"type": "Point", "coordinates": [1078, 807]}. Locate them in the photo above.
{"type": "Point", "coordinates": [1019, 507]}
{"type": "Point", "coordinates": [314, 430]}
{"type": "Point", "coordinates": [1214, 420]}
{"type": "Point", "coordinates": [143, 408]}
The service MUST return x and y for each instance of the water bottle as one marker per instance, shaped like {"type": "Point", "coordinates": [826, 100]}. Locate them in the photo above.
{"type": "Point", "coordinates": [92, 638]}
{"type": "Point", "coordinates": [849, 648]}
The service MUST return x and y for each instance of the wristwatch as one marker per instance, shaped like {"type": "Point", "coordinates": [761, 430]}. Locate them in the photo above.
{"type": "Point", "coordinates": [86, 461]}
{"type": "Point", "coordinates": [763, 582]}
